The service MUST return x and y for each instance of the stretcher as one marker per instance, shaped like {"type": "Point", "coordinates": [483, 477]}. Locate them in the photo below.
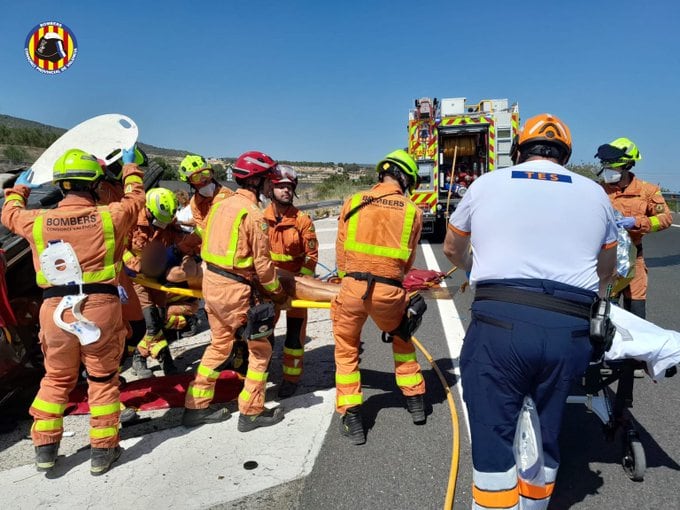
{"type": "Point", "coordinates": [637, 344]}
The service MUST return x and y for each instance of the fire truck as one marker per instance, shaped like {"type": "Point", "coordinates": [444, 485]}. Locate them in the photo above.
{"type": "Point", "coordinates": [453, 143]}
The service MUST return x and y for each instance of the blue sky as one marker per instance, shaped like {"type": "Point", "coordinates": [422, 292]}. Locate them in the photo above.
{"type": "Point", "coordinates": [333, 81]}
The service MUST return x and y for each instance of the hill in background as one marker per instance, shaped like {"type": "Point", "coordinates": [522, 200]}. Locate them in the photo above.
{"type": "Point", "coordinates": [22, 141]}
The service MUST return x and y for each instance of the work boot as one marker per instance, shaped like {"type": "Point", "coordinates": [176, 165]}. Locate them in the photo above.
{"type": "Point", "coordinates": [416, 406]}
{"type": "Point", "coordinates": [166, 362]}
{"type": "Point", "coordinates": [192, 327]}
{"type": "Point", "coordinates": [352, 426]}
{"type": "Point", "coordinates": [128, 415]}
{"type": "Point", "coordinates": [46, 456]}
{"type": "Point", "coordinates": [102, 458]}
{"type": "Point", "coordinates": [287, 389]}
{"type": "Point", "coordinates": [268, 417]}
{"type": "Point", "coordinates": [139, 367]}
{"type": "Point", "coordinates": [212, 414]}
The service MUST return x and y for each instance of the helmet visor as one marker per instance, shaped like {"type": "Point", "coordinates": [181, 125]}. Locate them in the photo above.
{"type": "Point", "coordinates": [200, 177]}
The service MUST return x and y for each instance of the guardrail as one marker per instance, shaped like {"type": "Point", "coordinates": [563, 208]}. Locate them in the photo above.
{"type": "Point", "coordinates": [673, 200]}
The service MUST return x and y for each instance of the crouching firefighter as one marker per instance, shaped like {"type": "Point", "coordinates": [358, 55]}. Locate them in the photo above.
{"type": "Point", "coordinates": [378, 233]}
{"type": "Point", "coordinates": [236, 253]}
{"type": "Point", "coordinates": [77, 255]}
{"type": "Point", "coordinates": [153, 235]}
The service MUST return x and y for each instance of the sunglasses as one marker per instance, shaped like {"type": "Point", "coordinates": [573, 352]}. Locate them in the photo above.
{"type": "Point", "coordinates": [199, 177]}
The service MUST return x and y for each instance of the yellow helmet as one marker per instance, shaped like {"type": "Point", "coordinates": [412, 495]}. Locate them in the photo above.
{"type": "Point", "coordinates": [404, 163]}
{"type": "Point", "coordinates": [162, 204]}
{"type": "Point", "coordinates": [77, 166]}
{"type": "Point", "coordinates": [191, 164]}
{"type": "Point", "coordinates": [622, 152]}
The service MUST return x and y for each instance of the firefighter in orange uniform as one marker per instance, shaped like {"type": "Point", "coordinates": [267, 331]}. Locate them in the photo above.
{"type": "Point", "coordinates": [198, 173]}
{"type": "Point", "coordinates": [77, 252]}
{"type": "Point", "coordinates": [236, 254]}
{"type": "Point", "coordinates": [642, 205]}
{"type": "Point", "coordinates": [110, 189]}
{"type": "Point", "coordinates": [155, 234]}
{"type": "Point", "coordinates": [378, 233]}
{"type": "Point", "coordinates": [294, 247]}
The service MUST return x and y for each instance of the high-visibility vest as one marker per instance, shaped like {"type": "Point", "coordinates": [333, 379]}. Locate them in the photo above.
{"type": "Point", "coordinates": [403, 252]}
{"type": "Point", "coordinates": [228, 259]}
{"type": "Point", "coordinates": [110, 269]}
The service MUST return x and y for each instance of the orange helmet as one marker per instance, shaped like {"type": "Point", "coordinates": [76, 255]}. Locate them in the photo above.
{"type": "Point", "coordinates": [540, 134]}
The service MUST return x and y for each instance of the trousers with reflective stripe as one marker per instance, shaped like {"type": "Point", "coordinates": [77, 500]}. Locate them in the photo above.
{"type": "Point", "coordinates": [294, 344]}
{"type": "Point", "coordinates": [511, 351]}
{"type": "Point", "coordinates": [226, 304]}
{"type": "Point", "coordinates": [385, 305]}
{"type": "Point", "coordinates": [63, 355]}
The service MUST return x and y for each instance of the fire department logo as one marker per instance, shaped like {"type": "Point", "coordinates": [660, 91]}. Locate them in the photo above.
{"type": "Point", "coordinates": [51, 47]}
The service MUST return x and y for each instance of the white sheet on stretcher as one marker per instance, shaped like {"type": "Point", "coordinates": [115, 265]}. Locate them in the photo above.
{"type": "Point", "coordinates": [639, 339]}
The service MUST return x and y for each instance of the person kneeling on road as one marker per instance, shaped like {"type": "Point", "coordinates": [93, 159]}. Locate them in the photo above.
{"type": "Point", "coordinates": [238, 263]}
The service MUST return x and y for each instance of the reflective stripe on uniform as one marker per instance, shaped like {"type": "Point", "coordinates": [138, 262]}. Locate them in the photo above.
{"type": "Point", "coordinates": [200, 393]}
{"type": "Point", "coordinates": [352, 378]}
{"type": "Point", "coordinates": [404, 357]}
{"type": "Point", "coordinates": [306, 271]}
{"type": "Point", "coordinates": [48, 425]}
{"type": "Point", "coordinates": [244, 395]}
{"type": "Point", "coordinates": [281, 257]}
{"type": "Point", "coordinates": [110, 269]}
{"type": "Point", "coordinates": [273, 286]}
{"type": "Point", "coordinates": [229, 259]}
{"type": "Point", "coordinates": [401, 253]}
{"type": "Point", "coordinates": [350, 400]}
{"type": "Point", "coordinates": [535, 491]}
{"type": "Point", "coordinates": [655, 223]}
{"type": "Point", "coordinates": [294, 352]}
{"type": "Point", "coordinates": [103, 432]}
{"type": "Point", "coordinates": [495, 490]}
{"type": "Point", "coordinates": [15, 196]}
{"type": "Point", "coordinates": [409, 380]}
{"type": "Point", "coordinates": [131, 179]}
{"type": "Point", "coordinates": [292, 370]}
{"type": "Point", "coordinates": [256, 376]}
{"type": "Point", "coordinates": [48, 407]}
{"type": "Point", "coordinates": [105, 409]}
{"type": "Point", "coordinates": [207, 372]}
{"type": "Point", "coordinates": [158, 347]}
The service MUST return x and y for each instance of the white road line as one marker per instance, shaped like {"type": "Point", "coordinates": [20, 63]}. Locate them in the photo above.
{"type": "Point", "coordinates": [674, 225]}
{"type": "Point", "coordinates": [453, 326]}
{"type": "Point", "coordinates": [319, 230]}
{"type": "Point", "coordinates": [327, 246]}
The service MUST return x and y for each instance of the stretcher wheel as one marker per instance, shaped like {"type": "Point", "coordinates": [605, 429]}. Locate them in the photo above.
{"type": "Point", "coordinates": [634, 461]}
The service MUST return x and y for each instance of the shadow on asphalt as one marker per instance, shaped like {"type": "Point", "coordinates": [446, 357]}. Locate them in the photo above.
{"type": "Point", "coordinates": [668, 260]}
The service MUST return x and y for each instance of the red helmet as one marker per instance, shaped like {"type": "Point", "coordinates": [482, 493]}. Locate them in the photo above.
{"type": "Point", "coordinates": [285, 174]}
{"type": "Point", "coordinates": [253, 163]}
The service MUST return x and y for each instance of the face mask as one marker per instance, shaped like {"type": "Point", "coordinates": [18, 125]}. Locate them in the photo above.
{"type": "Point", "coordinates": [610, 176]}
{"type": "Point", "coordinates": [207, 190]}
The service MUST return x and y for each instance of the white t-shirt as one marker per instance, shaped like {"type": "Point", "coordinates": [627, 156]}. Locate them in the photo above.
{"type": "Point", "coordinates": [184, 214]}
{"type": "Point", "coordinates": [536, 220]}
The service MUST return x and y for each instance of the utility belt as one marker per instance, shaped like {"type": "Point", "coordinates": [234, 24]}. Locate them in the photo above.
{"type": "Point", "coordinates": [86, 288]}
{"type": "Point", "coordinates": [371, 279]}
{"type": "Point", "coordinates": [227, 274]}
{"type": "Point", "coordinates": [534, 299]}
{"type": "Point", "coordinates": [260, 317]}
{"type": "Point", "coordinates": [601, 332]}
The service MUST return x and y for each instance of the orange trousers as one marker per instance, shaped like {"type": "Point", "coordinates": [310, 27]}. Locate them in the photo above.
{"type": "Point", "coordinates": [294, 344]}
{"type": "Point", "coordinates": [385, 304]}
{"type": "Point", "coordinates": [63, 355]}
{"type": "Point", "coordinates": [226, 304]}
{"type": "Point", "coordinates": [637, 288]}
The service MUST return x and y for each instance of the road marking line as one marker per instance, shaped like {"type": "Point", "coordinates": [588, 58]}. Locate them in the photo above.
{"type": "Point", "coordinates": [327, 246]}
{"type": "Point", "coordinates": [318, 230]}
{"type": "Point", "coordinates": [674, 225]}
{"type": "Point", "coordinates": [454, 332]}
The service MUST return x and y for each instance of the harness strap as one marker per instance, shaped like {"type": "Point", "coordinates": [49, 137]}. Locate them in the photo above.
{"type": "Point", "coordinates": [371, 279]}
{"type": "Point", "coordinates": [87, 288]}
{"type": "Point", "coordinates": [534, 299]}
